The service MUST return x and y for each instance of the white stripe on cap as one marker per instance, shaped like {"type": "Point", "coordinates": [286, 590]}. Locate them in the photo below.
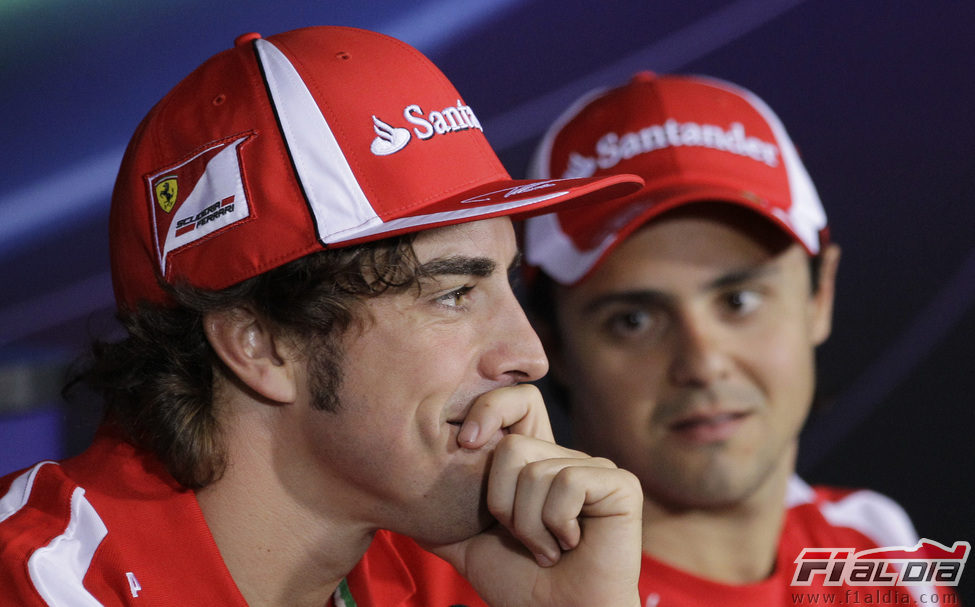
{"type": "Point", "coordinates": [550, 248]}
{"type": "Point", "coordinates": [455, 216]}
{"type": "Point", "coordinates": [341, 209]}
{"type": "Point", "coordinates": [806, 214]}
{"type": "Point", "coordinates": [547, 245]}
{"type": "Point", "coordinates": [333, 192]}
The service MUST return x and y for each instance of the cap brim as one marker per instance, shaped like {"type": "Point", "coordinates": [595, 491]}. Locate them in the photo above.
{"type": "Point", "coordinates": [678, 196]}
{"type": "Point", "coordinates": [568, 264]}
{"type": "Point", "coordinates": [518, 199]}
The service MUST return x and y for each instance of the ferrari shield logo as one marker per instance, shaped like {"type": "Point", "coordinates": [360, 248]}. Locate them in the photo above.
{"type": "Point", "coordinates": [197, 197]}
{"type": "Point", "coordinates": [166, 193]}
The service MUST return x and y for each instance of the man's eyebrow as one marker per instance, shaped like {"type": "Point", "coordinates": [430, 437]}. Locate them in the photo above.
{"type": "Point", "coordinates": [459, 265]}
{"type": "Point", "coordinates": [743, 275]}
{"type": "Point", "coordinates": [636, 297]}
{"type": "Point", "coordinates": [652, 297]}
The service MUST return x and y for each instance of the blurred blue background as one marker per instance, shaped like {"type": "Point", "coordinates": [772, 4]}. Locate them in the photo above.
{"type": "Point", "coordinates": [878, 96]}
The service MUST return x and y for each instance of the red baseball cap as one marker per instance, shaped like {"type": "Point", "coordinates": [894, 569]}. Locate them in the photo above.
{"type": "Point", "coordinates": [692, 139]}
{"type": "Point", "coordinates": [310, 139]}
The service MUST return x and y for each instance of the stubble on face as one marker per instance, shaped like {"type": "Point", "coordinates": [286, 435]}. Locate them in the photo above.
{"type": "Point", "coordinates": [409, 369]}
{"type": "Point", "coordinates": [712, 442]}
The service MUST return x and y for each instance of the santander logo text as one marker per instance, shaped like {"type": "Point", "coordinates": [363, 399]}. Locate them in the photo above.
{"type": "Point", "coordinates": [612, 147]}
{"type": "Point", "coordinates": [391, 139]}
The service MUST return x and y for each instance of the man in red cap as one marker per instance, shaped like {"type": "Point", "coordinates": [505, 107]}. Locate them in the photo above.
{"type": "Point", "coordinates": [325, 365]}
{"type": "Point", "coordinates": [681, 322]}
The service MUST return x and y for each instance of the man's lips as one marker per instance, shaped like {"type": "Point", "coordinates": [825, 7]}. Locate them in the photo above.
{"type": "Point", "coordinates": [703, 428]}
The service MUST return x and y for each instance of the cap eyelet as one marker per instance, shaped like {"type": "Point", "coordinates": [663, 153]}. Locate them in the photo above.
{"type": "Point", "coordinates": [243, 39]}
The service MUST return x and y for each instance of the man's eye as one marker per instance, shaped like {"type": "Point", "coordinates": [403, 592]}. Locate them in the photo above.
{"type": "Point", "coordinates": [743, 302]}
{"type": "Point", "coordinates": [455, 298]}
{"type": "Point", "coordinates": [629, 322]}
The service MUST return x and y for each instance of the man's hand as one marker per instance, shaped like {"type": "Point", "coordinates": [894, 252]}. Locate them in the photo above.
{"type": "Point", "coordinates": [569, 531]}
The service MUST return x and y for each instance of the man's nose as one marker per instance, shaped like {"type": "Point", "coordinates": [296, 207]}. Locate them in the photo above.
{"type": "Point", "coordinates": [513, 349]}
{"type": "Point", "coordinates": [699, 354]}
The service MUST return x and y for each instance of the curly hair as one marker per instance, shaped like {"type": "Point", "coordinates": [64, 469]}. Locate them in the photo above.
{"type": "Point", "coordinates": [158, 382]}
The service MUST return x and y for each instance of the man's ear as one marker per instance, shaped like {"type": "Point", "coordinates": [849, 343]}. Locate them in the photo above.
{"type": "Point", "coordinates": [248, 346]}
{"type": "Point", "coordinates": [822, 299]}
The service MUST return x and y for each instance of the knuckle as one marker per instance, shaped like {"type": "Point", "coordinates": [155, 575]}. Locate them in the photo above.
{"type": "Point", "coordinates": [603, 462]}
{"type": "Point", "coordinates": [512, 443]}
{"type": "Point", "coordinates": [553, 517]}
{"type": "Point", "coordinates": [632, 480]}
{"type": "Point", "coordinates": [500, 512]}
{"type": "Point", "coordinates": [567, 477]}
{"type": "Point", "coordinates": [535, 472]}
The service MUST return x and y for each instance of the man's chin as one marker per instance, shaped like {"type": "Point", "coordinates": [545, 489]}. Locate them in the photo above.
{"type": "Point", "coordinates": [454, 525]}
